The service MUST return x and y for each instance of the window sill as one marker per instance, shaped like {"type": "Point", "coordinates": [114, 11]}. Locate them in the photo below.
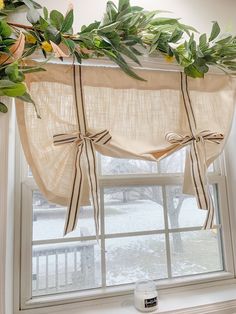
{"type": "Point", "coordinates": [218, 298]}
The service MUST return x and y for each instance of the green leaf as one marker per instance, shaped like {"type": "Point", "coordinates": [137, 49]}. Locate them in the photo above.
{"type": "Point", "coordinates": [45, 13]}
{"type": "Point", "coordinates": [36, 5]}
{"type": "Point", "coordinates": [68, 22]}
{"type": "Point", "coordinates": [230, 63]}
{"type": "Point", "coordinates": [35, 34]}
{"type": "Point", "coordinates": [183, 54]}
{"type": "Point", "coordinates": [232, 68]}
{"type": "Point", "coordinates": [33, 16]}
{"type": "Point", "coordinates": [27, 98]}
{"type": "Point", "coordinates": [138, 53]}
{"type": "Point", "coordinates": [106, 40]}
{"type": "Point", "coordinates": [78, 57]}
{"type": "Point", "coordinates": [6, 83]}
{"type": "Point", "coordinates": [187, 28]}
{"type": "Point", "coordinates": [43, 24]}
{"type": "Point", "coordinates": [29, 69]}
{"type": "Point", "coordinates": [124, 50]}
{"type": "Point", "coordinates": [56, 19]}
{"type": "Point", "coordinates": [125, 18]}
{"type": "Point", "coordinates": [164, 20]}
{"type": "Point", "coordinates": [109, 28]}
{"type": "Point", "coordinates": [29, 51]}
{"type": "Point", "coordinates": [123, 5]}
{"type": "Point", "coordinates": [51, 33]}
{"type": "Point", "coordinates": [70, 44]}
{"type": "Point", "coordinates": [5, 29]}
{"type": "Point", "coordinates": [111, 12]}
{"type": "Point", "coordinates": [153, 48]}
{"type": "Point", "coordinates": [3, 108]}
{"type": "Point", "coordinates": [113, 37]}
{"type": "Point", "coordinates": [224, 41]}
{"type": "Point", "coordinates": [13, 73]}
{"type": "Point", "coordinates": [31, 4]}
{"type": "Point", "coordinates": [135, 20]}
{"type": "Point", "coordinates": [8, 41]}
{"type": "Point", "coordinates": [122, 64]}
{"type": "Point", "coordinates": [192, 71]}
{"type": "Point", "coordinates": [136, 8]}
{"type": "Point", "coordinates": [215, 31]}
{"type": "Point", "coordinates": [11, 89]}
{"type": "Point", "coordinates": [90, 27]}
{"type": "Point", "coordinates": [176, 35]}
{"type": "Point", "coordinates": [203, 42]}
{"type": "Point", "coordinates": [198, 68]}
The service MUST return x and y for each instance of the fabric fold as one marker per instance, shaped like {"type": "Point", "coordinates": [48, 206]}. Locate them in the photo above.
{"type": "Point", "coordinates": [84, 148]}
{"type": "Point", "coordinates": [77, 101]}
{"type": "Point", "coordinates": [198, 167]}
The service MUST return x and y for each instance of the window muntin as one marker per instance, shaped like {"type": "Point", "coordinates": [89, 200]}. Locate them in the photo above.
{"type": "Point", "coordinates": [136, 212]}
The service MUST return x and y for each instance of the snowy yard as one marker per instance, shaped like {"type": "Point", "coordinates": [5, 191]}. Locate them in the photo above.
{"type": "Point", "coordinates": [128, 258]}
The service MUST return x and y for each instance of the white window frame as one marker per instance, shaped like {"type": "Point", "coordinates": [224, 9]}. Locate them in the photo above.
{"type": "Point", "coordinates": [23, 235]}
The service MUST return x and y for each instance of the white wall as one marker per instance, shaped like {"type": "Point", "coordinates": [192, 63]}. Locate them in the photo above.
{"type": "Point", "coordinates": [7, 146]}
{"type": "Point", "coordinates": [198, 13]}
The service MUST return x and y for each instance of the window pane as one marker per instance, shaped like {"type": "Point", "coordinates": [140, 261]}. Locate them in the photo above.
{"type": "Point", "coordinates": [65, 267]}
{"type": "Point", "coordinates": [173, 163]}
{"type": "Point", "coordinates": [118, 166]}
{"type": "Point", "coordinates": [130, 209]}
{"type": "Point", "coordinates": [49, 220]}
{"type": "Point", "coordinates": [195, 252]}
{"type": "Point", "coordinates": [135, 258]}
{"type": "Point", "coordinates": [29, 172]}
{"type": "Point", "coordinates": [183, 210]}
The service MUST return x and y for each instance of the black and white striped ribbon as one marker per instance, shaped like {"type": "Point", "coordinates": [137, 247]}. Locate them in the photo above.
{"type": "Point", "coordinates": [85, 150]}
{"type": "Point", "coordinates": [85, 153]}
{"type": "Point", "coordinates": [197, 154]}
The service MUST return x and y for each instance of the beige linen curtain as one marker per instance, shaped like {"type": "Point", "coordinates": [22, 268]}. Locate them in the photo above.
{"type": "Point", "coordinates": [93, 108]}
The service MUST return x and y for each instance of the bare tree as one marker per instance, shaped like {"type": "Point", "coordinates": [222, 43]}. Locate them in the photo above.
{"type": "Point", "coordinates": [174, 196]}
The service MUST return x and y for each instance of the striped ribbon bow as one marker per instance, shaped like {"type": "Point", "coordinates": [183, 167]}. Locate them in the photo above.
{"type": "Point", "coordinates": [85, 149]}
{"type": "Point", "coordinates": [198, 167]}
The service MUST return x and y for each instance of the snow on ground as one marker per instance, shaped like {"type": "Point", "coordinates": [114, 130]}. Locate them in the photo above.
{"type": "Point", "coordinates": [119, 217]}
{"type": "Point", "coordinates": [128, 258]}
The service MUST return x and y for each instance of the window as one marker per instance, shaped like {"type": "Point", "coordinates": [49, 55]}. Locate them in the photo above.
{"type": "Point", "coordinates": [149, 229]}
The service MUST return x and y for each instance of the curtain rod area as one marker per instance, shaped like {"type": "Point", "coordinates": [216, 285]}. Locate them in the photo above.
{"type": "Point", "coordinates": [148, 63]}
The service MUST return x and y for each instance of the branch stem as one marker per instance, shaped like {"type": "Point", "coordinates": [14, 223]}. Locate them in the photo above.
{"type": "Point", "coordinates": [20, 26]}
{"type": "Point", "coordinates": [71, 36]}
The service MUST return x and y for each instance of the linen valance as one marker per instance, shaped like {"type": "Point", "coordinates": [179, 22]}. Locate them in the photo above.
{"type": "Point", "coordinates": [85, 109]}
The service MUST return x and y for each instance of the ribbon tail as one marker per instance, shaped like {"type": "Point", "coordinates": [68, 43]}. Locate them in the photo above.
{"type": "Point", "coordinates": [200, 184]}
{"type": "Point", "coordinates": [93, 181]}
{"type": "Point", "coordinates": [76, 193]}
{"type": "Point", "coordinates": [188, 182]}
{"type": "Point", "coordinates": [209, 221]}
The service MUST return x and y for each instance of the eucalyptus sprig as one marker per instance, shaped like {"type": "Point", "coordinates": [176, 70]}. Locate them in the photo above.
{"type": "Point", "coordinates": [124, 33]}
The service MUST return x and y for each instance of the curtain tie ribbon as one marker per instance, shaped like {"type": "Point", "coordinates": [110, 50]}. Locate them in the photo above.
{"type": "Point", "coordinates": [85, 144]}
{"type": "Point", "coordinates": [206, 135]}
{"type": "Point", "coordinates": [198, 166]}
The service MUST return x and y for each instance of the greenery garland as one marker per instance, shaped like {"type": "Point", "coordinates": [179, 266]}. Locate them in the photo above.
{"type": "Point", "coordinates": [119, 36]}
